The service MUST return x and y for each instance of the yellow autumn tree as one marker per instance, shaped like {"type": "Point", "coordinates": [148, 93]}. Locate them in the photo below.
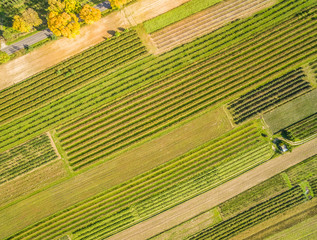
{"type": "Point", "coordinates": [63, 24]}
{"type": "Point", "coordinates": [62, 19]}
{"type": "Point", "coordinates": [118, 3]}
{"type": "Point", "coordinates": [20, 25]}
{"type": "Point", "coordinates": [90, 14]}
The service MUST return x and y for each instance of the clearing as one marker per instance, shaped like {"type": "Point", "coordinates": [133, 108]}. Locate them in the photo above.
{"type": "Point", "coordinates": [210, 199]}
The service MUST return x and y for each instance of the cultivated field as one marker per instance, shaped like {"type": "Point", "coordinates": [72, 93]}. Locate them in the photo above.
{"type": "Point", "coordinates": [303, 129]}
{"type": "Point", "coordinates": [119, 143]}
{"type": "Point", "coordinates": [292, 112]}
{"type": "Point", "coordinates": [26, 157]}
{"type": "Point", "coordinates": [159, 189]}
{"type": "Point", "coordinates": [205, 22]}
{"type": "Point", "coordinates": [269, 95]}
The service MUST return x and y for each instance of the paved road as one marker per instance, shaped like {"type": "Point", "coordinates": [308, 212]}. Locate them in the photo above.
{"type": "Point", "coordinates": [216, 196]}
{"type": "Point", "coordinates": [42, 34]}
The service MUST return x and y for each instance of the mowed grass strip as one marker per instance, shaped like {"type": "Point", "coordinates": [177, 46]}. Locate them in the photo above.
{"type": "Point", "coordinates": [152, 69]}
{"type": "Point", "coordinates": [26, 157]}
{"type": "Point", "coordinates": [159, 189]}
{"type": "Point", "coordinates": [183, 94]}
{"type": "Point", "coordinates": [177, 14]}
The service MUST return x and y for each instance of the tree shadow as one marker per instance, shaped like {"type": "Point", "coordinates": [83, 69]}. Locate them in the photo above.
{"type": "Point", "coordinates": [111, 32]}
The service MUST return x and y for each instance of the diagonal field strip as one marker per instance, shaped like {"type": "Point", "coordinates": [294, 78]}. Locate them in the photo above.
{"type": "Point", "coordinates": [210, 199]}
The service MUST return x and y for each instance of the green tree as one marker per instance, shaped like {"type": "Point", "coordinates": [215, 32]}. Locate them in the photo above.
{"type": "Point", "coordinates": [4, 57]}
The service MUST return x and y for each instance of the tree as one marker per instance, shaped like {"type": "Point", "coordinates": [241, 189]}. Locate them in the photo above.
{"type": "Point", "coordinates": [27, 21]}
{"type": "Point", "coordinates": [4, 57]}
{"type": "Point", "coordinates": [20, 25]}
{"type": "Point", "coordinates": [63, 24]}
{"type": "Point", "coordinates": [90, 14]}
{"type": "Point", "coordinates": [31, 17]}
{"type": "Point", "coordinates": [118, 3]}
{"type": "Point", "coordinates": [62, 20]}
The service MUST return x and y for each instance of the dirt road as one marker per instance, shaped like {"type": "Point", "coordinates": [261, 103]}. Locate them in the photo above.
{"type": "Point", "coordinates": [216, 196]}
{"type": "Point", "coordinates": [56, 51]}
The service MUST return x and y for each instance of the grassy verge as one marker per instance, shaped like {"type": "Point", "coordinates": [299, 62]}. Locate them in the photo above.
{"type": "Point", "coordinates": [177, 14]}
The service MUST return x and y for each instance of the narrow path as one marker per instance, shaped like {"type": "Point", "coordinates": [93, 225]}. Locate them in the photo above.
{"type": "Point", "coordinates": [54, 52]}
{"type": "Point", "coordinates": [214, 197]}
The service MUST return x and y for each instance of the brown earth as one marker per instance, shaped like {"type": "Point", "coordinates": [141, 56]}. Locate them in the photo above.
{"type": "Point", "coordinates": [122, 168]}
{"type": "Point", "coordinates": [205, 22]}
{"type": "Point", "coordinates": [214, 197]}
{"type": "Point", "coordinates": [56, 51]}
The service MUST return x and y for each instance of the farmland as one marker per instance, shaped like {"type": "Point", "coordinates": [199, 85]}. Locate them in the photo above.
{"type": "Point", "coordinates": [303, 129]}
{"type": "Point", "coordinates": [203, 22]}
{"type": "Point", "coordinates": [26, 157]}
{"type": "Point", "coordinates": [122, 142]}
{"type": "Point", "coordinates": [269, 95]}
{"type": "Point", "coordinates": [292, 112]}
{"type": "Point", "coordinates": [148, 194]}
{"type": "Point", "coordinates": [293, 41]}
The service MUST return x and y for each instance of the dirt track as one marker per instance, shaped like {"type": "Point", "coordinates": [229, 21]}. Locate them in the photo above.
{"type": "Point", "coordinates": [56, 51]}
{"type": "Point", "coordinates": [216, 196]}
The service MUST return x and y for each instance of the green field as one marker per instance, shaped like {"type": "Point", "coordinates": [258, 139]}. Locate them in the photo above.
{"type": "Point", "coordinates": [26, 157]}
{"type": "Point", "coordinates": [177, 14]}
{"type": "Point", "coordinates": [303, 230]}
{"type": "Point", "coordinates": [253, 216]}
{"type": "Point", "coordinates": [114, 136]}
{"type": "Point", "coordinates": [303, 129]}
{"type": "Point", "coordinates": [159, 189]}
{"type": "Point", "coordinates": [269, 95]}
{"type": "Point", "coordinates": [292, 112]}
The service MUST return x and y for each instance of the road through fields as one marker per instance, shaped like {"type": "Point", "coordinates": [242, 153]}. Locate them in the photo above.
{"type": "Point", "coordinates": [214, 197]}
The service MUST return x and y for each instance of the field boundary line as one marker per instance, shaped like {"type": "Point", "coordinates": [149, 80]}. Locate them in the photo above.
{"type": "Point", "coordinates": [61, 152]}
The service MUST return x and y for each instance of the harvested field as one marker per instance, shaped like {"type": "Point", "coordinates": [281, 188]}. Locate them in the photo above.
{"type": "Point", "coordinates": [205, 22]}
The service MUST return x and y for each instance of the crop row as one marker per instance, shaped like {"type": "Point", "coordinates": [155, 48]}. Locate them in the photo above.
{"type": "Point", "coordinates": [269, 95]}
{"type": "Point", "coordinates": [78, 74]}
{"type": "Point", "coordinates": [313, 185]}
{"type": "Point", "coordinates": [263, 211]}
{"type": "Point", "coordinates": [151, 70]}
{"type": "Point", "coordinates": [141, 197]}
{"type": "Point", "coordinates": [177, 97]}
{"type": "Point", "coordinates": [303, 128]}
{"type": "Point", "coordinates": [25, 157]}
